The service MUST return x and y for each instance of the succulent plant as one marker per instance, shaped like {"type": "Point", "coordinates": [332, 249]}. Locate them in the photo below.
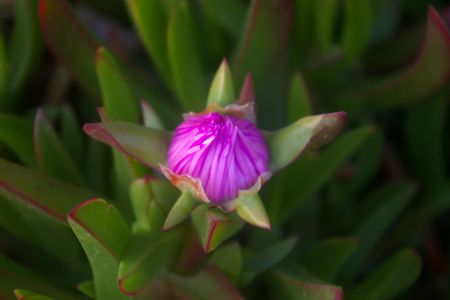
{"type": "Point", "coordinates": [159, 212]}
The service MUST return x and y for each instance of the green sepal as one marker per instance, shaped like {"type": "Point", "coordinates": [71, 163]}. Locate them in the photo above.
{"type": "Point", "coordinates": [87, 288]}
{"type": "Point", "coordinates": [214, 226]}
{"type": "Point", "coordinates": [251, 209]}
{"type": "Point", "coordinates": [229, 259]}
{"type": "Point", "coordinates": [181, 210]}
{"type": "Point", "coordinates": [221, 91]}
{"type": "Point", "coordinates": [286, 144]}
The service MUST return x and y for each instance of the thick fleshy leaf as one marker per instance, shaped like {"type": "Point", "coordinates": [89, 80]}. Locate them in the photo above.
{"type": "Point", "coordinates": [103, 234]}
{"type": "Point", "coordinates": [25, 47]}
{"type": "Point", "coordinates": [266, 259]}
{"type": "Point", "coordinates": [221, 91]}
{"type": "Point", "coordinates": [87, 288]}
{"type": "Point", "coordinates": [325, 17]}
{"type": "Point", "coordinates": [148, 145]}
{"type": "Point", "coordinates": [146, 256]}
{"type": "Point", "coordinates": [214, 226]}
{"type": "Point", "coordinates": [12, 222]}
{"type": "Point", "coordinates": [229, 14]}
{"type": "Point", "coordinates": [391, 279]}
{"type": "Point", "coordinates": [51, 154]}
{"type": "Point", "coordinates": [151, 23]}
{"type": "Point", "coordinates": [293, 288]}
{"type": "Point", "coordinates": [228, 258]}
{"type": "Point", "coordinates": [247, 94]}
{"type": "Point", "coordinates": [312, 172]}
{"type": "Point", "coordinates": [17, 134]}
{"type": "Point", "coordinates": [14, 275]}
{"type": "Point", "coordinates": [26, 295]}
{"type": "Point", "coordinates": [288, 143]}
{"type": "Point", "coordinates": [43, 203]}
{"type": "Point", "coordinates": [181, 210]}
{"type": "Point", "coordinates": [384, 205]}
{"type": "Point", "coordinates": [71, 135]}
{"type": "Point", "coordinates": [184, 60]}
{"type": "Point", "coordinates": [267, 21]}
{"type": "Point", "coordinates": [425, 131]}
{"type": "Point", "coordinates": [70, 42]}
{"type": "Point", "coordinates": [118, 99]}
{"type": "Point", "coordinates": [3, 68]}
{"type": "Point", "coordinates": [299, 99]}
{"type": "Point", "coordinates": [357, 26]}
{"type": "Point", "coordinates": [210, 283]}
{"type": "Point", "coordinates": [327, 257]}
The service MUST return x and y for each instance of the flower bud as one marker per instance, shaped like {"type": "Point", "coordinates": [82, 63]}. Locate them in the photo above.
{"type": "Point", "coordinates": [225, 153]}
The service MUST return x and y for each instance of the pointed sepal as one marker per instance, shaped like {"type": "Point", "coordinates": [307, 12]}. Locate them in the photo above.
{"type": "Point", "coordinates": [181, 210]}
{"type": "Point", "coordinates": [286, 144]}
{"type": "Point", "coordinates": [250, 208]}
{"type": "Point", "coordinates": [214, 226]}
{"type": "Point", "coordinates": [222, 88]}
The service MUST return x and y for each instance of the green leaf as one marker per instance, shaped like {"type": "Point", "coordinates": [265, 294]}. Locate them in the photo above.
{"type": "Point", "coordinates": [209, 283]}
{"type": "Point", "coordinates": [299, 289]}
{"type": "Point", "coordinates": [51, 154]}
{"type": "Point", "coordinates": [228, 258]}
{"type": "Point", "coordinates": [26, 295]}
{"type": "Point", "coordinates": [425, 131]}
{"type": "Point", "coordinates": [214, 226]}
{"type": "Point", "coordinates": [229, 14]}
{"type": "Point", "coordinates": [391, 279]}
{"type": "Point", "coordinates": [184, 60]}
{"type": "Point", "coordinates": [299, 100]}
{"type": "Point", "coordinates": [146, 256]}
{"type": "Point", "coordinates": [25, 46]}
{"type": "Point", "coordinates": [70, 42]}
{"type": "Point", "coordinates": [221, 91]}
{"type": "Point", "coordinates": [118, 98]}
{"type": "Point", "coordinates": [12, 222]}
{"type": "Point", "coordinates": [266, 259]}
{"type": "Point", "coordinates": [385, 204]}
{"type": "Point", "coordinates": [181, 210]}
{"type": "Point", "coordinates": [148, 145]}
{"type": "Point", "coordinates": [151, 21]}
{"type": "Point", "coordinates": [357, 26]}
{"type": "Point", "coordinates": [103, 234]}
{"type": "Point", "coordinates": [43, 203]}
{"type": "Point", "coordinates": [3, 68]}
{"type": "Point", "coordinates": [325, 17]}
{"type": "Point", "coordinates": [15, 275]}
{"type": "Point", "coordinates": [313, 172]}
{"type": "Point", "coordinates": [87, 288]}
{"type": "Point", "coordinates": [288, 143]}
{"type": "Point", "coordinates": [17, 134]}
{"type": "Point", "coordinates": [149, 116]}
{"type": "Point", "coordinates": [71, 135]}
{"type": "Point", "coordinates": [327, 257]}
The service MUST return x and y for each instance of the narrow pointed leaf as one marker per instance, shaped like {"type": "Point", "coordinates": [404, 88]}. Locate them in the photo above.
{"type": "Point", "coordinates": [327, 257]}
{"type": "Point", "coordinates": [146, 256]}
{"type": "Point", "coordinates": [149, 116]}
{"type": "Point", "coordinates": [325, 17]}
{"type": "Point", "coordinates": [229, 14]}
{"type": "Point", "coordinates": [288, 143]}
{"type": "Point", "coordinates": [228, 258]}
{"type": "Point", "coordinates": [391, 279]}
{"type": "Point", "coordinates": [71, 135]}
{"type": "Point", "coordinates": [389, 202]}
{"type": "Point", "coordinates": [247, 92]}
{"type": "Point", "coordinates": [184, 60]}
{"type": "Point", "coordinates": [148, 145]}
{"type": "Point", "coordinates": [103, 234]}
{"type": "Point", "coordinates": [181, 210]}
{"type": "Point", "coordinates": [251, 209]}
{"type": "Point", "coordinates": [221, 91]}
{"type": "Point", "coordinates": [118, 99]}
{"type": "Point", "coordinates": [293, 288]}
{"type": "Point", "coordinates": [25, 47]}
{"type": "Point", "coordinates": [214, 226]}
{"type": "Point", "coordinates": [70, 42]}
{"type": "Point", "coordinates": [26, 295]}
{"type": "Point", "coordinates": [3, 69]}
{"type": "Point", "coordinates": [266, 259]}
{"type": "Point", "coordinates": [299, 99]}
{"type": "Point", "coordinates": [87, 288]}
{"type": "Point", "coordinates": [151, 23]}
{"type": "Point", "coordinates": [51, 154]}
{"type": "Point", "coordinates": [17, 134]}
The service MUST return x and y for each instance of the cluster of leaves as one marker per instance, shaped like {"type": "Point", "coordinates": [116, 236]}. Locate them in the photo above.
{"type": "Point", "coordinates": [386, 63]}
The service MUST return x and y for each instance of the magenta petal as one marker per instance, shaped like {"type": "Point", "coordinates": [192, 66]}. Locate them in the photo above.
{"type": "Point", "coordinates": [227, 154]}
